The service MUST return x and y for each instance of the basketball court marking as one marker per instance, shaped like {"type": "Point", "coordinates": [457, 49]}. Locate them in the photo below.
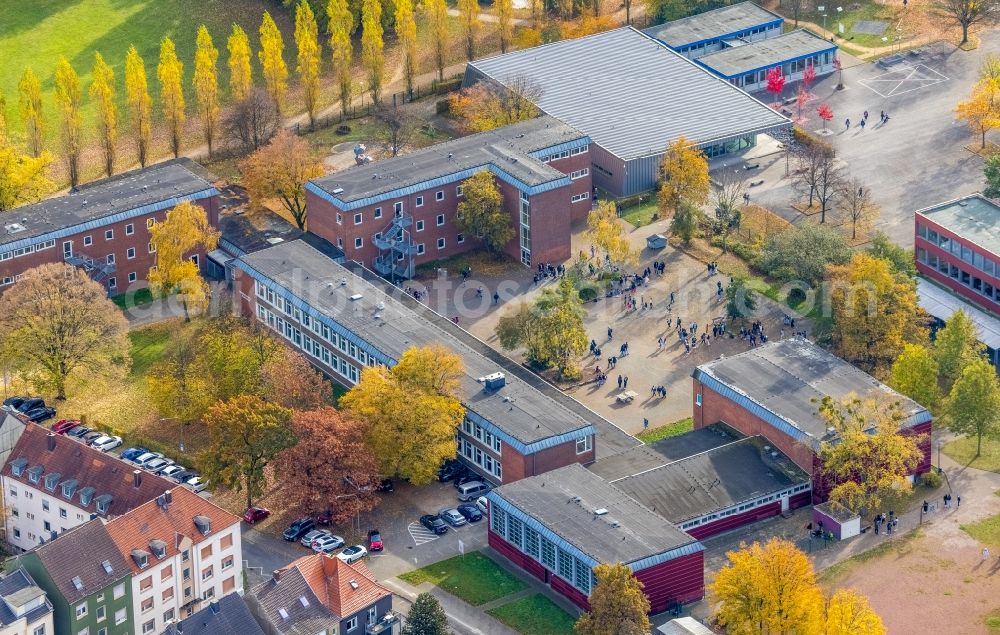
{"type": "Point", "coordinates": [902, 80]}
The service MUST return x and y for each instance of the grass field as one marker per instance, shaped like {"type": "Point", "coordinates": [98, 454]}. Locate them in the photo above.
{"type": "Point", "coordinates": [963, 451]}
{"type": "Point", "coordinates": [39, 32]}
{"type": "Point", "coordinates": [986, 531]}
{"type": "Point", "coordinates": [670, 430]}
{"type": "Point", "coordinates": [472, 577]}
{"type": "Point", "coordinates": [535, 615]}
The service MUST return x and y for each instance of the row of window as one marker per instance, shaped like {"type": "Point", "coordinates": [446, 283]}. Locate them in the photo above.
{"type": "Point", "coordinates": [109, 234]}
{"type": "Point", "coordinates": [742, 34]}
{"type": "Point", "coordinates": [579, 174]}
{"type": "Point", "coordinates": [704, 520]}
{"type": "Point", "coordinates": [970, 280]}
{"type": "Point", "coordinates": [359, 242]}
{"type": "Point", "coordinates": [482, 434]}
{"type": "Point", "coordinates": [397, 208]}
{"type": "Point", "coordinates": [960, 251]}
{"type": "Point", "coordinates": [24, 251]}
{"type": "Point", "coordinates": [483, 459]}
{"type": "Point", "coordinates": [582, 196]}
{"type": "Point", "coordinates": [314, 349]}
{"type": "Point", "coordinates": [798, 66]}
{"type": "Point", "coordinates": [565, 154]}
{"type": "Point", "coordinates": [553, 558]}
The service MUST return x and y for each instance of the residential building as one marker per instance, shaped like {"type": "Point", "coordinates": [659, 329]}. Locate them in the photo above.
{"type": "Point", "coordinates": [24, 607]}
{"type": "Point", "coordinates": [229, 615]}
{"type": "Point", "coordinates": [104, 226]}
{"type": "Point", "coordinates": [716, 30]}
{"type": "Point", "coordinates": [52, 483]}
{"type": "Point", "coordinates": [320, 594]}
{"type": "Point", "coordinates": [774, 391]}
{"type": "Point", "coordinates": [633, 96]}
{"type": "Point", "coordinates": [747, 65]}
{"type": "Point", "coordinates": [345, 319]}
{"type": "Point", "coordinates": [86, 580]}
{"type": "Point", "coordinates": [394, 214]}
{"type": "Point", "coordinates": [558, 526]}
{"type": "Point", "coordinates": [957, 251]}
{"type": "Point", "coordinates": [183, 552]}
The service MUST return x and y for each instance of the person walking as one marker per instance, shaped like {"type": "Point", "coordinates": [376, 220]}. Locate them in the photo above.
{"type": "Point", "coordinates": [619, 382]}
{"type": "Point", "coordinates": [847, 124]}
{"type": "Point", "coordinates": [625, 382]}
{"type": "Point", "coordinates": [986, 554]}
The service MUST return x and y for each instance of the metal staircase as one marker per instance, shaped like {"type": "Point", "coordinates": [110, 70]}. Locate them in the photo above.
{"type": "Point", "coordinates": [396, 249]}
{"type": "Point", "coordinates": [98, 271]}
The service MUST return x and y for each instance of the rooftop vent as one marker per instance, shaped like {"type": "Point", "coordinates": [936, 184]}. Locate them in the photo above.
{"type": "Point", "coordinates": [283, 613]}
{"type": "Point", "coordinates": [494, 381]}
{"type": "Point", "coordinates": [600, 512]}
{"type": "Point", "coordinates": [354, 585]}
{"type": "Point", "coordinates": [338, 190]}
{"type": "Point", "coordinates": [343, 281]}
{"type": "Point", "coordinates": [303, 601]}
{"type": "Point", "coordinates": [13, 228]}
{"type": "Point", "coordinates": [356, 297]}
{"type": "Point", "coordinates": [615, 523]}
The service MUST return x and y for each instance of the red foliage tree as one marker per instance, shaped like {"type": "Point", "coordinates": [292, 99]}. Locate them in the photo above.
{"type": "Point", "coordinates": [292, 382]}
{"type": "Point", "coordinates": [825, 113]}
{"type": "Point", "coordinates": [800, 100]}
{"type": "Point", "coordinates": [331, 468]}
{"type": "Point", "coordinates": [808, 77]}
{"type": "Point", "coordinates": [775, 81]}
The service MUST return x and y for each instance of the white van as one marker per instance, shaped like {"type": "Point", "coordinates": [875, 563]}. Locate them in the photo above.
{"type": "Point", "coordinates": [472, 490]}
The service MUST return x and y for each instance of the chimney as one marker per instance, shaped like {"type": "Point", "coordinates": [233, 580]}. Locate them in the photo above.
{"type": "Point", "coordinates": [168, 498]}
{"type": "Point", "coordinates": [276, 575]}
{"type": "Point", "coordinates": [136, 478]}
{"type": "Point", "coordinates": [51, 441]}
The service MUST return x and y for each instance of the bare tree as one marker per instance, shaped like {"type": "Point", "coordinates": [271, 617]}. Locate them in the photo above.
{"type": "Point", "coordinates": [859, 208]}
{"type": "Point", "coordinates": [729, 196]}
{"type": "Point", "coordinates": [252, 121]}
{"type": "Point", "coordinates": [396, 127]}
{"type": "Point", "coordinates": [795, 6]}
{"type": "Point", "coordinates": [967, 13]}
{"type": "Point", "coordinates": [818, 172]}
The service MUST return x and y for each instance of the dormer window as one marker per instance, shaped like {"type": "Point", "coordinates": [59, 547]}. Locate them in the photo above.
{"type": "Point", "coordinates": [51, 480]}
{"type": "Point", "coordinates": [35, 473]}
{"type": "Point", "coordinates": [141, 558]}
{"type": "Point", "coordinates": [69, 487]}
{"type": "Point", "coordinates": [103, 503]}
{"type": "Point", "coordinates": [17, 467]}
{"type": "Point", "coordinates": [159, 549]}
{"type": "Point", "coordinates": [203, 524]}
{"type": "Point", "coordinates": [86, 495]}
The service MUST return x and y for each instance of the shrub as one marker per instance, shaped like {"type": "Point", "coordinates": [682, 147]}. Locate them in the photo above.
{"type": "Point", "coordinates": [445, 86]}
{"type": "Point", "coordinates": [796, 297]}
{"type": "Point", "coordinates": [932, 479]}
{"type": "Point", "coordinates": [588, 294]}
{"type": "Point", "coordinates": [443, 107]}
{"type": "Point", "coordinates": [802, 253]}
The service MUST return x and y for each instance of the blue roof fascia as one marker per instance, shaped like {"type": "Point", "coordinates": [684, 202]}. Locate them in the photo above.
{"type": "Point", "coordinates": [754, 408]}
{"type": "Point", "coordinates": [313, 313]}
{"type": "Point", "coordinates": [769, 66]}
{"type": "Point", "coordinates": [231, 248]}
{"type": "Point", "coordinates": [551, 536]}
{"type": "Point", "coordinates": [727, 36]}
{"type": "Point", "coordinates": [568, 145]}
{"type": "Point", "coordinates": [107, 220]}
{"type": "Point", "coordinates": [437, 182]}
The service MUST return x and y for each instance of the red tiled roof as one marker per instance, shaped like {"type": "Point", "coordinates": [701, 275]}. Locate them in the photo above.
{"type": "Point", "coordinates": [168, 524]}
{"type": "Point", "coordinates": [331, 580]}
{"type": "Point", "coordinates": [72, 460]}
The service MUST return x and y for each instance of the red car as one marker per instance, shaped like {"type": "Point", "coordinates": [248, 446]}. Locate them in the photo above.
{"type": "Point", "coordinates": [64, 425]}
{"type": "Point", "coordinates": [374, 540]}
{"type": "Point", "coordinates": [254, 514]}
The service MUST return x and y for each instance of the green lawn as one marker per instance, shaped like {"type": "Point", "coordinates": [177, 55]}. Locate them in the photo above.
{"type": "Point", "coordinates": [37, 33]}
{"type": "Point", "coordinates": [963, 451]}
{"type": "Point", "coordinates": [473, 578]}
{"type": "Point", "coordinates": [535, 615]}
{"type": "Point", "coordinates": [670, 430]}
{"type": "Point", "coordinates": [852, 13]}
{"type": "Point", "coordinates": [986, 531]}
{"type": "Point", "coordinates": [149, 345]}
{"type": "Point", "coordinates": [138, 298]}
{"type": "Point", "coordinates": [641, 214]}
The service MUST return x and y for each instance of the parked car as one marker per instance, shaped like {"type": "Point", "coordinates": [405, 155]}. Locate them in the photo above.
{"type": "Point", "coordinates": [91, 436]}
{"type": "Point", "coordinates": [64, 425]}
{"type": "Point", "coordinates": [14, 402]}
{"type": "Point", "coordinates": [145, 456]}
{"type": "Point", "coordinates": [78, 432]}
{"type": "Point", "coordinates": [154, 465]}
{"type": "Point", "coordinates": [30, 403]}
{"type": "Point", "coordinates": [434, 523]}
{"type": "Point", "coordinates": [131, 453]}
{"type": "Point", "coordinates": [170, 470]}
{"type": "Point", "coordinates": [470, 512]}
{"type": "Point", "coordinates": [325, 518]}
{"type": "Point", "coordinates": [472, 490]}
{"type": "Point", "coordinates": [465, 477]}
{"type": "Point", "coordinates": [327, 543]}
{"type": "Point", "coordinates": [183, 476]}
{"type": "Point", "coordinates": [449, 470]}
{"type": "Point", "coordinates": [40, 414]}
{"type": "Point", "coordinates": [352, 554]}
{"type": "Point", "coordinates": [483, 504]}
{"type": "Point", "coordinates": [307, 540]}
{"type": "Point", "coordinates": [255, 514]}
{"type": "Point", "coordinates": [298, 529]}
{"type": "Point", "coordinates": [451, 516]}
{"type": "Point", "coordinates": [374, 540]}
{"type": "Point", "coordinates": [105, 443]}
{"type": "Point", "coordinates": [197, 484]}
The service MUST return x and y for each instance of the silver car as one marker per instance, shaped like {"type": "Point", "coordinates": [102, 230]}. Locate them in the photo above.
{"type": "Point", "coordinates": [452, 516]}
{"type": "Point", "coordinates": [307, 540]}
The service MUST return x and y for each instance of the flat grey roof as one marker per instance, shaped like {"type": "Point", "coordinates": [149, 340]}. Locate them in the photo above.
{"type": "Point", "coordinates": [710, 481]}
{"type": "Point", "coordinates": [712, 25]}
{"type": "Point", "coordinates": [630, 93]}
{"type": "Point", "coordinates": [508, 148]}
{"type": "Point", "coordinates": [646, 457]}
{"type": "Point", "coordinates": [120, 193]}
{"type": "Point", "coordinates": [737, 60]}
{"type": "Point", "coordinates": [564, 501]}
{"type": "Point", "coordinates": [784, 381]}
{"type": "Point", "coordinates": [942, 303]}
{"type": "Point", "coordinates": [520, 408]}
{"type": "Point", "coordinates": [974, 218]}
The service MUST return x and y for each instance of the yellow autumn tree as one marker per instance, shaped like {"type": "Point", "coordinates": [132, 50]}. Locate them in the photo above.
{"type": "Point", "coordinates": [3, 117]}
{"type": "Point", "coordinates": [468, 17]}
{"type": "Point", "coordinates": [341, 25]}
{"type": "Point", "coordinates": [608, 235]}
{"type": "Point", "coordinates": [22, 176]}
{"type": "Point", "coordinates": [684, 173]}
{"type": "Point", "coordinates": [185, 230]}
{"type": "Point", "coordinates": [874, 311]}
{"type": "Point", "coordinates": [272, 60]}
{"type": "Point", "coordinates": [617, 604]}
{"type": "Point", "coordinates": [412, 412]}
{"type": "Point", "coordinates": [30, 105]}
{"type": "Point", "coordinates": [767, 589]}
{"type": "Point", "coordinates": [68, 98]}
{"type": "Point", "coordinates": [372, 56]}
{"type": "Point", "coordinates": [406, 31]}
{"type": "Point", "coordinates": [504, 11]}
{"type": "Point", "coordinates": [240, 70]}
{"type": "Point", "coordinates": [280, 170]}
{"type": "Point", "coordinates": [170, 72]}
{"type": "Point", "coordinates": [437, 21]}
{"type": "Point", "coordinates": [309, 56]}
{"type": "Point", "coordinates": [140, 106]}
{"type": "Point", "coordinates": [849, 613]}
{"type": "Point", "coordinates": [102, 93]}
{"type": "Point", "coordinates": [982, 111]}
{"type": "Point", "coordinates": [206, 84]}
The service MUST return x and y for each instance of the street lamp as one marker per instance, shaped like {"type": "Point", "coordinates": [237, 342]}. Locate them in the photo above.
{"type": "Point", "coordinates": [940, 444]}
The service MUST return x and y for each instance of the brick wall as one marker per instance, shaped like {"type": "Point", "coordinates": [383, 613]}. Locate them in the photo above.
{"type": "Point", "coordinates": [677, 581]}
{"type": "Point", "coordinates": [517, 466]}
{"type": "Point", "coordinates": [945, 279]}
